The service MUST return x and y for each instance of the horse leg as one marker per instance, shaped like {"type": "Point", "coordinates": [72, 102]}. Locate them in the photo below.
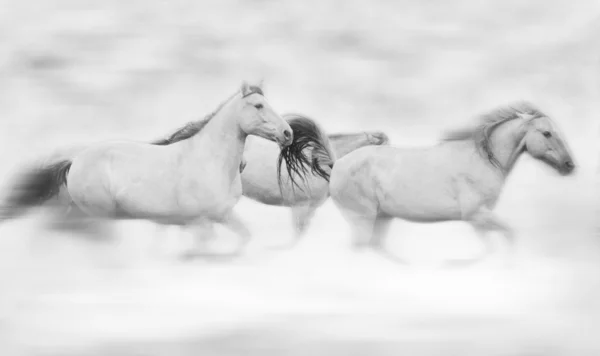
{"type": "Point", "coordinates": [361, 226]}
{"type": "Point", "coordinates": [491, 222]}
{"type": "Point", "coordinates": [484, 222]}
{"type": "Point", "coordinates": [234, 223]}
{"type": "Point", "coordinates": [202, 232]}
{"type": "Point", "coordinates": [301, 217]}
{"type": "Point", "coordinates": [380, 231]}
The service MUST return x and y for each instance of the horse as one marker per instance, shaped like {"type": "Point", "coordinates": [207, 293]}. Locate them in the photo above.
{"type": "Point", "coordinates": [308, 154]}
{"type": "Point", "coordinates": [23, 194]}
{"type": "Point", "coordinates": [194, 176]}
{"type": "Point", "coordinates": [263, 182]}
{"type": "Point", "coordinates": [460, 179]}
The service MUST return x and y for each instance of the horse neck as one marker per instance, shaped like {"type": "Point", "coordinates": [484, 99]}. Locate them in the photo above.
{"type": "Point", "coordinates": [223, 139]}
{"type": "Point", "coordinates": [345, 144]}
{"type": "Point", "coordinates": [506, 143]}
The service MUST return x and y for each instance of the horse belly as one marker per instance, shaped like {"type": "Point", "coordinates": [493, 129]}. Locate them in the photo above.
{"type": "Point", "coordinates": [264, 193]}
{"type": "Point", "coordinates": [420, 196]}
{"type": "Point", "coordinates": [407, 206]}
{"type": "Point", "coordinates": [265, 189]}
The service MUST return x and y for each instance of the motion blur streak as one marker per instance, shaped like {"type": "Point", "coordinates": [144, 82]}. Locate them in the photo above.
{"type": "Point", "coordinates": [73, 73]}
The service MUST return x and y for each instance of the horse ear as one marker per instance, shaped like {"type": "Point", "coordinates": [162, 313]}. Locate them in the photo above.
{"type": "Point", "coordinates": [261, 84]}
{"type": "Point", "coordinates": [245, 88]}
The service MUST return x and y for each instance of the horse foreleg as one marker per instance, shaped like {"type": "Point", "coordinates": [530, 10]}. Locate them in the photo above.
{"type": "Point", "coordinates": [202, 232]}
{"type": "Point", "coordinates": [380, 231]}
{"type": "Point", "coordinates": [484, 222]}
{"type": "Point", "coordinates": [361, 227]}
{"type": "Point", "coordinates": [302, 216]}
{"type": "Point", "coordinates": [234, 223]}
{"type": "Point", "coordinates": [490, 222]}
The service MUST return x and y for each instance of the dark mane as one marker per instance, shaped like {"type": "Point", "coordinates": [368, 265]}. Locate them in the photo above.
{"type": "Point", "coordinates": [189, 130]}
{"type": "Point", "coordinates": [307, 134]}
{"type": "Point", "coordinates": [488, 122]}
{"type": "Point", "coordinates": [193, 127]}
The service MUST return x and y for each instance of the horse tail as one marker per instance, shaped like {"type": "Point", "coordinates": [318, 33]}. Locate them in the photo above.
{"type": "Point", "coordinates": [307, 134]}
{"type": "Point", "coordinates": [34, 187]}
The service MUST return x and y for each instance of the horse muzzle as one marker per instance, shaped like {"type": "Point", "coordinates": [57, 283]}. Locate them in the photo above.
{"type": "Point", "coordinates": [285, 138]}
{"type": "Point", "coordinates": [567, 167]}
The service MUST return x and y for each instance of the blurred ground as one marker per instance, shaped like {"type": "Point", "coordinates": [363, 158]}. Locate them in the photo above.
{"type": "Point", "coordinates": [76, 72]}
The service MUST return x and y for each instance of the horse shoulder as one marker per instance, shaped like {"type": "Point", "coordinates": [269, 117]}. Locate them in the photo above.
{"type": "Point", "coordinates": [478, 186]}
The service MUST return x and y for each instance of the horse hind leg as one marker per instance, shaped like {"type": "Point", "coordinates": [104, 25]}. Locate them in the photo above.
{"type": "Point", "coordinates": [380, 231]}
{"type": "Point", "coordinates": [361, 227]}
{"type": "Point", "coordinates": [381, 228]}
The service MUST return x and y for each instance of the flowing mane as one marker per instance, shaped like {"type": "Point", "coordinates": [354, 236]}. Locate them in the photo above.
{"type": "Point", "coordinates": [488, 122]}
{"type": "Point", "coordinates": [192, 128]}
{"type": "Point", "coordinates": [307, 134]}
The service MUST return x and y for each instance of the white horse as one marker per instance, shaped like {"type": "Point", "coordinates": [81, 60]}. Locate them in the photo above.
{"type": "Point", "coordinates": [262, 181]}
{"type": "Point", "coordinates": [37, 183]}
{"type": "Point", "coordinates": [308, 159]}
{"type": "Point", "coordinates": [459, 179]}
{"type": "Point", "coordinates": [196, 177]}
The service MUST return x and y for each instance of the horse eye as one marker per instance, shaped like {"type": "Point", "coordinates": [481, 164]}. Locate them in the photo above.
{"type": "Point", "coordinates": [258, 106]}
{"type": "Point", "coordinates": [547, 134]}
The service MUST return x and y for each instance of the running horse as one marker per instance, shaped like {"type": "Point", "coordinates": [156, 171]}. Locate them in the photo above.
{"type": "Point", "coordinates": [264, 181]}
{"type": "Point", "coordinates": [197, 177]}
{"type": "Point", "coordinates": [460, 179]}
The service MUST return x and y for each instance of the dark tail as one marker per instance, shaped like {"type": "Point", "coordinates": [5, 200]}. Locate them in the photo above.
{"type": "Point", "coordinates": [34, 187]}
{"type": "Point", "coordinates": [307, 134]}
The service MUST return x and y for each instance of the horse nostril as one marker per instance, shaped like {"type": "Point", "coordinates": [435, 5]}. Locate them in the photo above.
{"type": "Point", "coordinates": [569, 165]}
{"type": "Point", "coordinates": [287, 134]}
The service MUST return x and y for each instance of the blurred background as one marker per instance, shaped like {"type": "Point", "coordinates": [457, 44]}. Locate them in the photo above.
{"type": "Point", "coordinates": [78, 72]}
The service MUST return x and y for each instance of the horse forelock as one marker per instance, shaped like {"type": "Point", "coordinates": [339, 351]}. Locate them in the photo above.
{"type": "Point", "coordinates": [487, 124]}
